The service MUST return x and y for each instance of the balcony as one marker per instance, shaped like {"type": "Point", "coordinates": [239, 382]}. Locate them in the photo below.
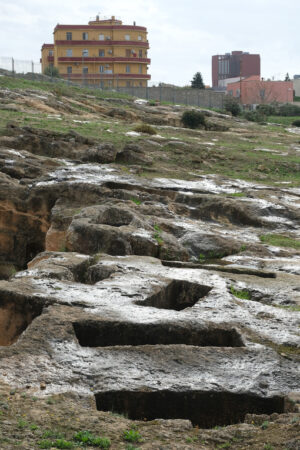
{"type": "Point", "coordinates": [103, 43]}
{"type": "Point", "coordinates": [104, 76]}
{"type": "Point", "coordinates": [103, 59]}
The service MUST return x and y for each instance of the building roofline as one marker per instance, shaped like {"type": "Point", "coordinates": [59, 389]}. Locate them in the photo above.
{"type": "Point", "coordinates": [99, 27]}
{"type": "Point", "coordinates": [47, 46]}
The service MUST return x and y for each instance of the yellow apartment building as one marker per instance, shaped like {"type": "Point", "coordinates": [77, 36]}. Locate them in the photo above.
{"type": "Point", "coordinates": [105, 53]}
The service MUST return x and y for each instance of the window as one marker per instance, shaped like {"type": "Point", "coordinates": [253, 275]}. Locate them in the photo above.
{"type": "Point", "coordinates": [85, 53]}
{"type": "Point", "coordinates": [140, 68]}
{"type": "Point", "coordinates": [69, 36]}
{"type": "Point", "coordinates": [230, 92]}
{"type": "Point", "coordinates": [128, 53]}
{"type": "Point", "coordinates": [101, 37]}
{"type": "Point", "coordinates": [50, 52]}
{"type": "Point", "coordinates": [85, 70]}
{"type": "Point", "coordinates": [69, 52]}
{"type": "Point", "coordinates": [128, 84]}
{"type": "Point", "coordinates": [237, 93]}
{"type": "Point", "coordinates": [262, 93]}
{"type": "Point", "coordinates": [127, 68]}
{"type": "Point", "coordinates": [69, 69]}
{"type": "Point", "coordinates": [139, 38]}
{"type": "Point", "coordinates": [140, 53]}
{"type": "Point", "coordinates": [85, 36]}
{"type": "Point", "coordinates": [101, 69]}
{"type": "Point", "coordinates": [101, 52]}
{"type": "Point", "coordinates": [141, 84]}
{"type": "Point", "coordinates": [127, 37]}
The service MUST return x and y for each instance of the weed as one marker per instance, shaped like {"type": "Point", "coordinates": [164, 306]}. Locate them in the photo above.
{"type": "Point", "coordinates": [50, 401]}
{"type": "Point", "coordinates": [201, 257]}
{"type": "Point", "coordinates": [157, 234]}
{"type": "Point", "coordinates": [33, 427]}
{"type": "Point", "coordinates": [265, 425]}
{"type": "Point", "coordinates": [22, 424]}
{"type": "Point", "coordinates": [132, 436]}
{"type": "Point", "coordinates": [279, 240]}
{"type": "Point", "coordinates": [87, 438]}
{"type": "Point", "coordinates": [268, 447]}
{"type": "Point", "coordinates": [136, 201]}
{"type": "Point", "coordinates": [61, 443]}
{"type": "Point", "coordinates": [145, 128]}
{"type": "Point", "coordinates": [131, 447]}
{"type": "Point", "coordinates": [190, 440]}
{"type": "Point", "coordinates": [45, 443]}
{"type": "Point", "coordinates": [238, 194]}
{"type": "Point", "coordinates": [226, 444]}
{"type": "Point", "coordinates": [243, 248]}
{"type": "Point", "coordinates": [244, 295]}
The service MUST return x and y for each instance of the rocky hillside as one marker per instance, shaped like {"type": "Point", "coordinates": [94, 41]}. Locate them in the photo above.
{"type": "Point", "coordinates": [149, 289]}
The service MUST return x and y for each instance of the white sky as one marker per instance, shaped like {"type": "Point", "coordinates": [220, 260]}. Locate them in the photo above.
{"type": "Point", "coordinates": [183, 35]}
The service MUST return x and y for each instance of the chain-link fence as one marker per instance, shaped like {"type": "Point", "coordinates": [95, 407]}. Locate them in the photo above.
{"type": "Point", "coordinates": [19, 65]}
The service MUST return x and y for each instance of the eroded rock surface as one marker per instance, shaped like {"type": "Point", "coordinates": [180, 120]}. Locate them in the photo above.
{"type": "Point", "coordinates": [145, 292]}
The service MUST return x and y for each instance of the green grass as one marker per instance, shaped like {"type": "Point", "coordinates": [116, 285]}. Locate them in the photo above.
{"type": "Point", "coordinates": [132, 435]}
{"type": "Point", "coordinates": [87, 438]}
{"type": "Point", "coordinates": [282, 120]}
{"type": "Point", "coordinates": [60, 88]}
{"type": "Point", "coordinates": [279, 240]}
{"type": "Point", "coordinates": [242, 294]}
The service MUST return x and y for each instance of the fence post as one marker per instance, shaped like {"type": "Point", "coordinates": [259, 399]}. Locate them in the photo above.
{"type": "Point", "coordinates": [147, 92]}
{"type": "Point", "coordinates": [13, 66]}
{"type": "Point", "coordinates": [160, 92]}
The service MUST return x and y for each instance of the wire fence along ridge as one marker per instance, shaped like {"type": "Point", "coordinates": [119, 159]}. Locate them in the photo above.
{"type": "Point", "coordinates": [205, 98]}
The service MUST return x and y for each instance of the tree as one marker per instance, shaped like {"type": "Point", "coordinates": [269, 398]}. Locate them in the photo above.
{"type": "Point", "coordinates": [51, 71]}
{"type": "Point", "coordinates": [287, 77]}
{"type": "Point", "coordinates": [197, 81]}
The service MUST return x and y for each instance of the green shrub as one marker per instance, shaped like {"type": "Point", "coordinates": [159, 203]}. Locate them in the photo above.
{"type": "Point", "coordinates": [132, 436]}
{"type": "Point", "coordinates": [193, 119]}
{"type": "Point", "coordinates": [268, 110]}
{"type": "Point", "coordinates": [51, 71]}
{"type": "Point", "coordinates": [145, 128]}
{"type": "Point", "coordinates": [289, 109]}
{"type": "Point", "coordinates": [296, 123]}
{"type": "Point", "coordinates": [255, 116]}
{"type": "Point", "coordinates": [232, 105]}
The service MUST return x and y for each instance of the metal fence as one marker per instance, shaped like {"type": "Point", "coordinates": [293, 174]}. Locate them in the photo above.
{"type": "Point", "coordinates": [204, 98]}
{"type": "Point", "coordinates": [19, 65]}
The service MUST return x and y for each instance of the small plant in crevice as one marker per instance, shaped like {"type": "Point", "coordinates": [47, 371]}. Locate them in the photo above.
{"type": "Point", "coordinates": [132, 435]}
{"type": "Point", "coordinates": [201, 257]}
{"type": "Point", "coordinates": [242, 294]}
{"type": "Point", "coordinates": [264, 425]}
{"type": "Point", "coordinates": [157, 234]}
{"type": "Point", "coordinates": [268, 447]}
{"type": "Point", "coordinates": [136, 201]}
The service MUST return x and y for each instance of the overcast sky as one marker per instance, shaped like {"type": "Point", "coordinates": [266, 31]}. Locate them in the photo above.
{"type": "Point", "coordinates": [183, 35]}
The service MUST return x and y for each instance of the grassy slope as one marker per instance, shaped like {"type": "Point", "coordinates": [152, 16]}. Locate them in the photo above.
{"type": "Point", "coordinates": [233, 153]}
